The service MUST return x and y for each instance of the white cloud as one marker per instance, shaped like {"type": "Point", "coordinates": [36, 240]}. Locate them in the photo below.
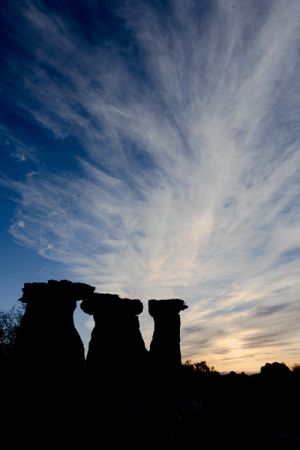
{"type": "Point", "coordinates": [215, 210]}
{"type": "Point", "coordinates": [15, 148]}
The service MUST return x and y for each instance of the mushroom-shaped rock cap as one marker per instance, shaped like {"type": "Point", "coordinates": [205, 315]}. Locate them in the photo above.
{"type": "Point", "coordinates": [158, 307]}
{"type": "Point", "coordinates": [111, 303]}
{"type": "Point", "coordinates": [54, 289]}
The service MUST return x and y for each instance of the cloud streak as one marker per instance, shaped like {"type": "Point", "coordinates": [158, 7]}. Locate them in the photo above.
{"type": "Point", "coordinates": [188, 184]}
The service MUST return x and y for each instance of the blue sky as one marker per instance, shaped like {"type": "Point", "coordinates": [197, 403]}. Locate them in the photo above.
{"type": "Point", "coordinates": [152, 149]}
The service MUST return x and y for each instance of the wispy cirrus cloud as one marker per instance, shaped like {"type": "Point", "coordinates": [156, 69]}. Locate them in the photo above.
{"type": "Point", "coordinates": [188, 184]}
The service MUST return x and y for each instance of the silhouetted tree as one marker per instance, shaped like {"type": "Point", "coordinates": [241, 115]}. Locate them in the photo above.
{"type": "Point", "coordinates": [9, 323]}
{"type": "Point", "coordinates": [199, 367]}
{"type": "Point", "coordinates": [296, 371]}
{"type": "Point", "coordinates": [275, 369]}
{"type": "Point", "coordinates": [202, 367]}
{"type": "Point", "coordinates": [296, 368]}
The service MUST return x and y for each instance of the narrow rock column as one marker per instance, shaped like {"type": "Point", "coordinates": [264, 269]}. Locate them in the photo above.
{"type": "Point", "coordinates": [165, 346]}
{"type": "Point", "coordinates": [116, 350]}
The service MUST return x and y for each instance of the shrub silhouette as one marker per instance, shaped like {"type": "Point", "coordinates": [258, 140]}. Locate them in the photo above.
{"type": "Point", "coordinates": [9, 323]}
{"type": "Point", "coordinates": [275, 369]}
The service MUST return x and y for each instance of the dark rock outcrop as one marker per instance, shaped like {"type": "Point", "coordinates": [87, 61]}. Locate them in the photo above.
{"type": "Point", "coordinates": [117, 351]}
{"type": "Point", "coordinates": [47, 340]}
{"type": "Point", "coordinates": [47, 366]}
{"type": "Point", "coordinates": [165, 346]}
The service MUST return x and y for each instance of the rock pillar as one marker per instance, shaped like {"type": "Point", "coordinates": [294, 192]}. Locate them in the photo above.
{"type": "Point", "coordinates": [116, 350]}
{"type": "Point", "coordinates": [165, 346]}
{"type": "Point", "coordinates": [47, 340]}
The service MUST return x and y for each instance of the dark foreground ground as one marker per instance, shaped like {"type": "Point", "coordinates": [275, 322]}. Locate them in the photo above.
{"type": "Point", "coordinates": [186, 411]}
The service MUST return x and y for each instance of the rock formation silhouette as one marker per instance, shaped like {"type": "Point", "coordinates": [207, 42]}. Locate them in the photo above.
{"type": "Point", "coordinates": [116, 348]}
{"type": "Point", "coordinates": [47, 339]}
{"type": "Point", "coordinates": [48, 359]}
{"type": "Point", "coordinates": [165, 345]}
{"type": "Point", "coordinates": [162, 408]}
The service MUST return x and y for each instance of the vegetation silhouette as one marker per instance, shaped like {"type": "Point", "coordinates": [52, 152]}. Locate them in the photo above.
{"type": "Point", "coordinates": [9, 323]}
{"type": "Point", "coordinates": [123, 396]}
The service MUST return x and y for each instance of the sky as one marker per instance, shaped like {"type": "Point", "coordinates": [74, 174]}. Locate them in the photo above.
{"type": "Point", "coordinates": [152, 149]}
